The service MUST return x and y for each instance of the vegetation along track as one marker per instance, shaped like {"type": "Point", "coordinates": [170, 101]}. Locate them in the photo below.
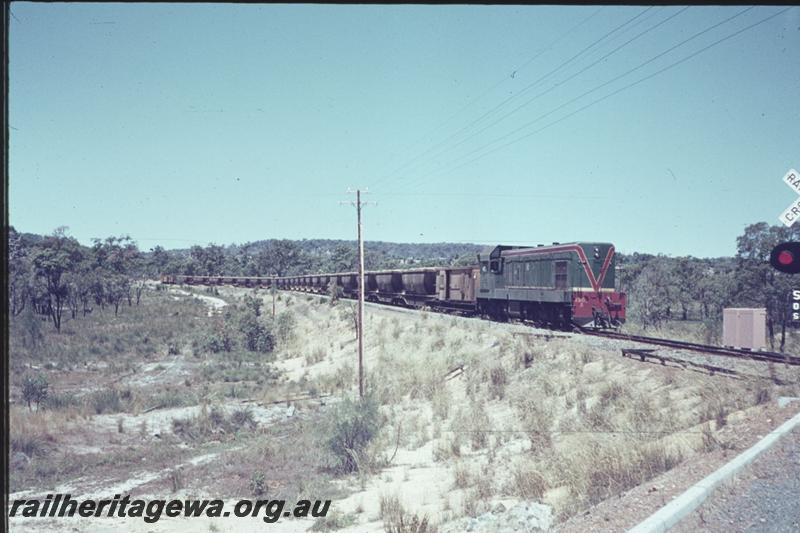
{"type": "Point", "coordinates": [762, 356]}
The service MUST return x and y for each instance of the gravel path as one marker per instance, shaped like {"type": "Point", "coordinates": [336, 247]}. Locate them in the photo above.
{"type": "Point", "coordinates": [765, 497]}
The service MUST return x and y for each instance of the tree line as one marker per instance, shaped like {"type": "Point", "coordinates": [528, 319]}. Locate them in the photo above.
{"type": "Point", "coordinates": [53, 275]}
{"type": "Point", "coordinates": [283, 257]}
{"type": "Point", "coordinates": [664, 288]}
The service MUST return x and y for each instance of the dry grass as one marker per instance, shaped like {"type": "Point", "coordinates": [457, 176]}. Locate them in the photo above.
{"type": "Point", "coordinates": [527, 482]}
{"type": "Point", "coordinates": [396, 519]}
{"type": "Point", "coordinates": [35, 433]}
{"type": "Point", "coordinates": [474, 425]}
{"type": "Point", "coordinates": [213, 423]}
{"type": "Point", "coordinates": [316, 355]}
{"type": "Point", "coordinates": [558, 420]}
{"type": "Point", "coordinates": [555, 421]}
{"type": "Point", "coordinates": [462, 475]}
{"type": "Point", "coordinates": [391, 509]}
{"type": "Point", "coordinates": [571, 404]}
{"type": "Point", "coordinates": [137, 333]}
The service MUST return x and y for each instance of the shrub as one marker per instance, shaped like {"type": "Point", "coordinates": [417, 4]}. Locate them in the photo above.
{"type": "Point", "coordinates": [717, 411]}
{"type": "Point", "coordinates": [252, 304]}
{"type": "Point", "coordinates": [258, 484]}
{"type": "Point", "coordinates": [537, 421]}
{"type": "Point", "coordinates": [190, 428]}
{"type": "Point", "coordinates": [441, 402]}
{"type": "Point", "coordinates": [60, 401]}
{"type": "Point", "coordinates": [217, 340]}
{"type": "Point", "coordinates": [333, 521]}
{"type": "Point", "coordinates": [285, 324]}
{"type": "Point", "coordinates": [391, 508]}
{"type": "Point", "coordinates": [109, 400]}
{"type": "Point", "coordinates": [243, 417]}
{"type": "Point", "coordinates": [610, 393]}
{"type": "Point", "coordinates": [473, 422]}
{"type": "Point", "coordinates": [34, 389]}
{"type": "Point", "coordinates": [31, 327]}
{"type": "Point", "coordinates": [762, 395]}
{"type": "Point", "coordinates": [527, 482]}
{"type": "Point", "coordinates": [217, 417]}
{"type": "Point", "coordinates": [317, 355]}
{"type": "Point", "coordinates": [256, 336]}
{"type": "Point", "coordinates": [334, 292]}
{"type": "Point", "coordinates": [448, 447]}
{"type": "Point", "coordinates": [497, 379]}
{"type": "Point", "coordinates": [397, 520]}
{"type": "Point", "coordinates": [353, 425]}
{"type": "Point", "coordinates": [28, 444]}
{"type": "Point", "coordinates": [462, 476]}
{"type": "Point", "coordinates": [172, 398]}
{"type": "Point", "coordinates": [176, 479]}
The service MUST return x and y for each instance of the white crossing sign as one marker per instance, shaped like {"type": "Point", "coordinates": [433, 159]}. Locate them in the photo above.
{"type": "Point", "coordinates": [795, 305]}
{"type": "Point", "coordinates": [791, 213]}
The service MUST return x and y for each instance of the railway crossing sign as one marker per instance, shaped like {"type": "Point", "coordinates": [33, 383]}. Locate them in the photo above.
{"type": "Point", "coordinates": [792, 213]}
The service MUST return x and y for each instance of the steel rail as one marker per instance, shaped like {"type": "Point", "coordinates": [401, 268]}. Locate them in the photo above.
{"type": "Point", "coordinates": [763, 356]}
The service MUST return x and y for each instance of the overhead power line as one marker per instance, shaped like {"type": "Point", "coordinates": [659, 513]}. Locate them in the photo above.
{"type": "Point", "coordinates": [524, 90]}
{"type": "Point", "coordinates": [641, 80]}
{"type": "Point", "coordinates": [488, 91]}
{"type": "Point", "coordinates": [562, 82]}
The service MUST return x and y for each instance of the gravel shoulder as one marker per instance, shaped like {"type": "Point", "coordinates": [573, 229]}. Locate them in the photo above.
{"type": "Point", "coordinates": [764, 497]}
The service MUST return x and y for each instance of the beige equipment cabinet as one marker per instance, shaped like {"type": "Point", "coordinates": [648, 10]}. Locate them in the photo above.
{"type": "Point", "coordinates": [744, 328]}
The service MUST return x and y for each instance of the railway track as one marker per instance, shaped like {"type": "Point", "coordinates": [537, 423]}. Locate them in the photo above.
{"type": "Point", "coordinates": [762, 356]}
{"type": "Point", "coordinates": [769, 357]}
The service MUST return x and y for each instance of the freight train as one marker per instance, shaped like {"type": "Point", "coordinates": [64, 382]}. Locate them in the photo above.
{"type": "Point", "coordinates": [558, 285]}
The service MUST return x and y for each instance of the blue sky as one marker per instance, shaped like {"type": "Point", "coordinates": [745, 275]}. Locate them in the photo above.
{"type": "Point", "coordinates": [188, 124]}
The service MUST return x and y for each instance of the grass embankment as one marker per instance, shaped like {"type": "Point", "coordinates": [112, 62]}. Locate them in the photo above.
{"type": "Point", "coordinates": [560, 421]}
{"type": "Point", "coordinates": [557, 421]}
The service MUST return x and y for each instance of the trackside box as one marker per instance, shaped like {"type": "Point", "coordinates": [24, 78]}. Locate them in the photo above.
{"type": "Point", "coordinates": [744, 328]}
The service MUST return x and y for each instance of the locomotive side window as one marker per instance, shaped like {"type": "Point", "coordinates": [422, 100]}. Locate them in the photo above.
{"type": "Point", "coordinates": [561, 275]}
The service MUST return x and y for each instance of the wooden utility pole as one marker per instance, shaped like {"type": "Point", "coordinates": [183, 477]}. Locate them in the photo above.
{"type": "Point", "coordinates": [360, 298]}
{"type": "Point", "coordinates": [274, 290]}
{"type": "Point", "coordinates": [361, 284]}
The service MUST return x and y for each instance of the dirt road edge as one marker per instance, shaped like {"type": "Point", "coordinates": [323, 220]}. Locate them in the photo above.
{"type": "Point", "coordinates": [672, 513]}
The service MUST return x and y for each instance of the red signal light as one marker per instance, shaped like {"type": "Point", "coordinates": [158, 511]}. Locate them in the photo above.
{"type": "Point", "coordinates": [785, 257]}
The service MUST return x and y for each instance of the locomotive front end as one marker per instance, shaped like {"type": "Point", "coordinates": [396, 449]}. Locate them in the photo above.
{"type": "Point", "coordinates": [598, 309]}
{"type": "Point", "coordinates": [595, 300]}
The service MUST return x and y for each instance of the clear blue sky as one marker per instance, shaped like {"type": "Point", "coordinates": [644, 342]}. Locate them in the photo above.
{"type": "Point", "coordinates": [184, 124]}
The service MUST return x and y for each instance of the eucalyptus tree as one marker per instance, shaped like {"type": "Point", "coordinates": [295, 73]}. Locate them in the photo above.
{"type": "Point", "coordinates": [56, 256]}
